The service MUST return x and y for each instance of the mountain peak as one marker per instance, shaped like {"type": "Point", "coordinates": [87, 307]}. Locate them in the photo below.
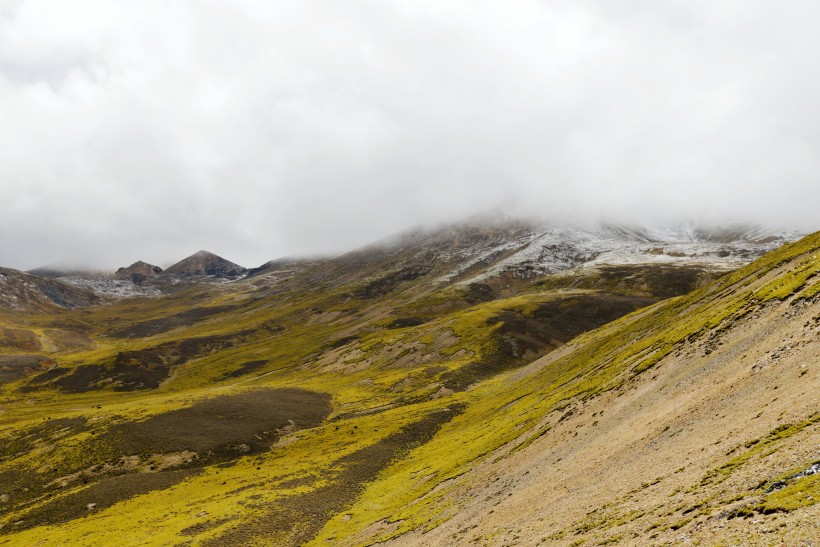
{"type": "Point", "coordinates": [206, 263]}
{"type": "Point", "coordinates": [138, 271]}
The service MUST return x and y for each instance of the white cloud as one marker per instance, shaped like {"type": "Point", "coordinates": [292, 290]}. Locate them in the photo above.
{"type": "Point", "coordinates": [148, 130]}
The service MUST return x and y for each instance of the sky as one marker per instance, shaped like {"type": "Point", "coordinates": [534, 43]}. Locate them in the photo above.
{"type": "Point", "coordinates": [258, 129]}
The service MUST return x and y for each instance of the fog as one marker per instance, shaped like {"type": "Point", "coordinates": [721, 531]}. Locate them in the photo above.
{"type": "Point", "coordinates": [150, 130]}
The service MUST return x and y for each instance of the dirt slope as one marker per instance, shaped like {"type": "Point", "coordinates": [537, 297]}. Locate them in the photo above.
{"type": "Point", "coordinates": [703, 428]}
{"type": "Point", "coordinates": [633, 465]}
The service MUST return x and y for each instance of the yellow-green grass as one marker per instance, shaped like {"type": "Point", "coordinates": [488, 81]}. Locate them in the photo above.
{"type": "Point", "coordinates": [503, 410]}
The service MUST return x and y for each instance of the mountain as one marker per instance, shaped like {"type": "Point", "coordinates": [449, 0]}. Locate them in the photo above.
{"type": "Point", "coordinates": [138, 272]}
{"type": "Point", "coordinates": [479, 383]}
{"type": "Point", "coordinates": [503, 255]}
{"type": "Point", "coordinates": [205, 263]}
{"type": "Point", "coordinates": [20, 291]}
{"type": "Point", "coordinates": [56, 271]}
{"type": "Point", "coordinates": [496, 251]}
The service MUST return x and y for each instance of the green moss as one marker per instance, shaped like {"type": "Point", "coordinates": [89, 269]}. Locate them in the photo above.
{"type": "Point", "coordinates": [803, 492]}
{"type": "Point", "coordinates": [758, 447]}
{"type": "Point", "coordinates": [680, 524]}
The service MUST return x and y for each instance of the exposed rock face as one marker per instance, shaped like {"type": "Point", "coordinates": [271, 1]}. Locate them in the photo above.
{"type": "Point", "coordinates": [138, 271]}
{"type": "Point", "coordinates": [205, 263]}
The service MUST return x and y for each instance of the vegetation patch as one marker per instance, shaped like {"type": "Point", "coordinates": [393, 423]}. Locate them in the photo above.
{"type": "Point", "coordinates": [246, 368]}
{"type": "Point", "coordinates": [19, 339]}
{"type": "Point", "coordinates": [297, 519]}
{"type": "Point", "coordinates": [136, 369]}
{"type": "Point", "coordinates": [390, 282]}
{"type": "Point", "coordinates": [14, 367]}
{"type": "Point", "coordinates": [659, 281]}
{"type": "Point", "coordinates": [520, 337]}
{"type": "Point", "coordinates": [404, 322]}
{"type": "Point", "coordinates": [125, 459]}
{"type": "Point", "coordinates": [98, 496]}
{"type": "Point", "coordinates": [757, 447]}
{"type": "Point", "coordinates": [163, 324]}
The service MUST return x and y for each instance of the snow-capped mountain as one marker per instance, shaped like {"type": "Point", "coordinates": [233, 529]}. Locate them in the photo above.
{"type": "Point", "coordinates": [547, 249]}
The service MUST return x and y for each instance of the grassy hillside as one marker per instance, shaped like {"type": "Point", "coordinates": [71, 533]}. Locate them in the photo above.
{"type": "Point", "coordinates": [311, 409]}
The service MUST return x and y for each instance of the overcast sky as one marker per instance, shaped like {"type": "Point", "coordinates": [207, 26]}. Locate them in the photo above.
{"type": "Point", "coordinates": [255, 129]}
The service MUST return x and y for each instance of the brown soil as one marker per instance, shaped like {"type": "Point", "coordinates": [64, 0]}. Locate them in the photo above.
{"type": "Point", "coordinates": [567, 318]}
{"type": "Point", "coordinates": [296, 520]}
{"type": "Point", "coordinates": [36, 382]}
{"type": "Point", "coordinates": [479, 292]}
{"type": "Point", "coordinates": [215, 428]}
{"type": "Point", "coordinates": [200, 527]}
{"type": "Point", "coordinates": [404, 322]}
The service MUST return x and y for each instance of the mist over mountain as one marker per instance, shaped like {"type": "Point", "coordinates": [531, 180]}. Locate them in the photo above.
{"type": "Point", "coordinates": [265, 130]}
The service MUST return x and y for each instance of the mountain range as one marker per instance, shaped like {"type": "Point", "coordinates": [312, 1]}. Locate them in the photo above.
{"type": "Point", "coordinates": [483, 248]}
{"type": "Point", "coordinates": [491, 382]}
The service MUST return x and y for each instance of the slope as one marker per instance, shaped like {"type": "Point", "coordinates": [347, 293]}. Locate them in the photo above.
{"type": "Point", "coordinates": [668, 422]}
{"type": "Point", "coordinates": [23, 292]}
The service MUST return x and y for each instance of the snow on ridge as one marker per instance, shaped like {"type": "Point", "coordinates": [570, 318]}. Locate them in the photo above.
{"type": "Point", "coordinates": [117, 288]}
{"type": "Point", "coordinates": [475, 255]}
{"type": "Point", "coordinates": [561, 248]}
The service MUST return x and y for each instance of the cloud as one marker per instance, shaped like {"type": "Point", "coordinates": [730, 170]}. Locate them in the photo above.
{"type": "Point", "coordinates": [257, 129]}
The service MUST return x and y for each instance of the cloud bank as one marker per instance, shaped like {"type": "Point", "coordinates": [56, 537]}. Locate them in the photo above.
{"type": "Point", "coordinates": [148, 130]}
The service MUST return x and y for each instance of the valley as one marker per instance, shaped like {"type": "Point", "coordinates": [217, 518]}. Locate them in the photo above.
{"type": "Point", "coordinates": [485, 383]}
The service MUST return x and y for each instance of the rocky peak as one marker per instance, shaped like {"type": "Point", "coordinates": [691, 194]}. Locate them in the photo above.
{"type": "Point", "coordinates": [137, 271]}
{"type": "Point", "coordinates": [206, 263]}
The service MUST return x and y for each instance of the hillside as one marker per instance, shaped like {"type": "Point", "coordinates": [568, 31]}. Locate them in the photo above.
{"type": "Point", "coordinates": [21, 291]}
{"type": "Point", "coordinates": [438, 389]}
